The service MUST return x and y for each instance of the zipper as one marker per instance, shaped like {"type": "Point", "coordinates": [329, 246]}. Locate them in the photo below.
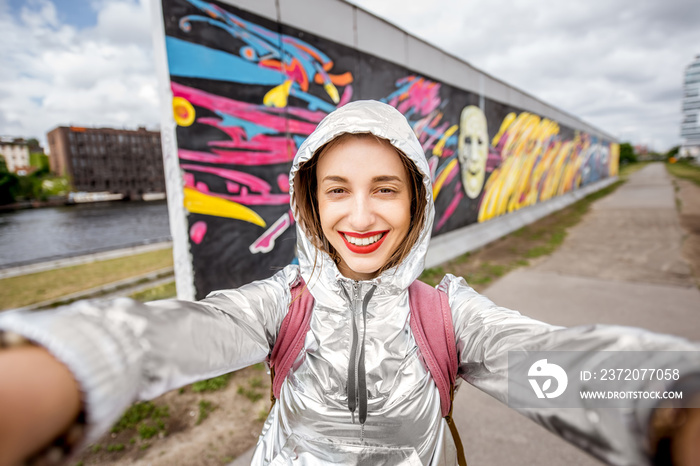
{"type": "Point", "coordinates": [357, 309]}
{"type": "Point", "coordinates": [353, 369]}
{"type": "Point", "coordinates": [357, 383]}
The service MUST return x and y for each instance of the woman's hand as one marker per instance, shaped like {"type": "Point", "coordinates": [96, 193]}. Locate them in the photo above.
{"type": "Point", "coordinates": [674, 429]}
{"type": "Point", "coordinates": [685, 444]}
{"type": "Point", "coordinates": [39, 400]}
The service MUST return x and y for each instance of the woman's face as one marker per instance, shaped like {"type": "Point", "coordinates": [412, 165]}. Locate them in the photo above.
{"type": "Point", "coordinates": [364, 202]}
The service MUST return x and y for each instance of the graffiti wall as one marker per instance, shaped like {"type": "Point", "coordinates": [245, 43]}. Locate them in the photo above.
{"type": "Point", "coordinates": [247, 91]}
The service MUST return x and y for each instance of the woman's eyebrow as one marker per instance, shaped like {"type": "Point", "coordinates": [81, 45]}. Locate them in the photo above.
{"type": "Point", "coordinates": [376, 179]}
{"type": "Point", "coordinates": [334, 178]}
{"type": "Point", "coordinates": [384, 178]}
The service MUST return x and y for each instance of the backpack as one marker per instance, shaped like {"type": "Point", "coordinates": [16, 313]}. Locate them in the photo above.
{"type": "Point", "coordinates": [435, 338]}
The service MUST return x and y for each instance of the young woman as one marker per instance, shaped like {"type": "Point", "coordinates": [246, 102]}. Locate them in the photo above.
{"type": "Point", "coordinates": [359, 391]}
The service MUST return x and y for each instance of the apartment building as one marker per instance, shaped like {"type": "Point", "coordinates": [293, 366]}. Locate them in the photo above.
{"type": "Point", "coordinates": [108, 160]}
{"type": "Point", "coordinates": [15, 151]}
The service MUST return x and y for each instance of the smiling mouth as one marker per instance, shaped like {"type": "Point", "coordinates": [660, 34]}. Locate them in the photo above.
{"type": "Point", "coordinates": [364, 243]}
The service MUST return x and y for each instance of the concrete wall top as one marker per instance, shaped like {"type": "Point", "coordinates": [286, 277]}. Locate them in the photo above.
{"type": "Point", "coordinates": [349, 24]}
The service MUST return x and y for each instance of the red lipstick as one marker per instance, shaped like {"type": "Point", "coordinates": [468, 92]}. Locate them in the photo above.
{"type": "Point", "coordinates": [363, 249]}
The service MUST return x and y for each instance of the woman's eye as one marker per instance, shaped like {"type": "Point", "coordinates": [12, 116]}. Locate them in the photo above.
{"type": "Point", "coordinates": [336, 191]}
{"type": "Point", "coordinates": [387, 190]}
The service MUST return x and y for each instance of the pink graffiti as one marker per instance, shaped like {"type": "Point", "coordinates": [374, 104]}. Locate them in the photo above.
{"type": "Point", "coordinates": [233, 187]}
{"type": "Point", "coordinates": [448, 152]}
{"type": "Point", "coordinates": [253, 182]}
{"type": "Point", "coordinates": [271, 118]}
{"type": "Point", "coordinates": [261, 149]}
{"type": "Point", "coordinates": [188, 179]}
{"type": "Point", "coordinates": [451, 175]}
{"type": "Point", "coordinates": [197, 231]}
{"type": "Point", "coordinates": [252, 191]}
{"type": "Point", "coordinates": [346, 97]}
{"type": "Point", "coordinates": [224, 157]}
{"type": "Point", "coordinates": [422, 97]}
{"type": "Point", "coordinates": [283, 182]}
{"type": "Point", "coordinates": [255, 199]}
{"type": "Point", "coordinates": [266, 242]}
{"type": "Point", "coordinates": [431, 138]}
{"type": "Point", "coordinates": [451, 207]}
{"type": "Point", "coordinates": [493, 160]}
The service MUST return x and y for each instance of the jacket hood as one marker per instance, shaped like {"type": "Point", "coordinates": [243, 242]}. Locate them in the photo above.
{"type": "Point", "coordinates": [384, 121]}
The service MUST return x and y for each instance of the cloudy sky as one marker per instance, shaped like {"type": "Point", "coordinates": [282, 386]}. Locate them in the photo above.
{"type": "Point", "coordinates": [617, 64]}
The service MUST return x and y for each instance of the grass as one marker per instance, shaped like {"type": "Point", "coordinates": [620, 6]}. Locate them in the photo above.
{"type": "Point", "coordinates": [627, 169]}
{"type": "Point", "coordinates": [254, 389]}
{"type": "Point", "coordinates": [36, 287]}
{"type": "Point", "coordinates": [164, 291]}
{"type": "Point", "coordinates": [685, 170]}
{"type": "Point", "coordinates": [146, 418]}
{"type": "Point", "coordinates": [211, 385]}
{"type": "Point", "coordinates": [205, 408]}
{"type": "Point", "coordinates": [147, 431]}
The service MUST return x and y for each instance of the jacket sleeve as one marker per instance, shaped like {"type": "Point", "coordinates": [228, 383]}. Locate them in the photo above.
{"type": "Point", "coordinates": [485, 333]}
{"type": "Point", "coordinates": [122, 350]}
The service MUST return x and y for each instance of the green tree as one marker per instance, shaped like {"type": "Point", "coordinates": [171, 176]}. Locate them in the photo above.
{"type": "Point", "coordinates": [30, 187]}
{"type": "Point", "coordinates": [40, 161]}
{"type": "Point", "coordinates": [33, 144]}
{"type": "Point", "coordinates": [9, 183]}
{"type": "Point", "coordinates": [673, 152]}
{"type": "Point", "coordinates": [627, 154]}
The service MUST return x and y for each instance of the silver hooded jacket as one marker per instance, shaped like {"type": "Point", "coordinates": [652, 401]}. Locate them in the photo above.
{"type": "Point", "coordinates": [121, 350]}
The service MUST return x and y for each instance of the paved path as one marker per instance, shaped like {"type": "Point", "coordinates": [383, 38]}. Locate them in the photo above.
{"type": "Point", "coordinates": [621, 265]}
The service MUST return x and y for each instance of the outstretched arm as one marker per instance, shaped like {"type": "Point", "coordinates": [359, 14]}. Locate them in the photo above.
{"type": "Point", "coordinates": [120, 351]}
{"type": "Point", "coordinates": [486, 333]}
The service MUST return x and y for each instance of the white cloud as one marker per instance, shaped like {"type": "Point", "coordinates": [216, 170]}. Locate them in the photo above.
{"type": "Point", "coordinates": [56, 75]}
{"type": "Point", "coordinates": [618, 65]}
{"type": "Point", "coordinates": [123, 22]}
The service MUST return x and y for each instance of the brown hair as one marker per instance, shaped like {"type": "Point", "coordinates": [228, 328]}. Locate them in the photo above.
{"type": "Point", "coordinates": [306, 202]}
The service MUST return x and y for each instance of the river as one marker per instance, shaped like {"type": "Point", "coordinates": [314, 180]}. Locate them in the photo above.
{"type": "Point", "coordinates": [36, 235]}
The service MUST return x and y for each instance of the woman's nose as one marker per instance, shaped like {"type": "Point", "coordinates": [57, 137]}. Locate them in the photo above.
{"type": "Point", "coordinates": [362, 214]}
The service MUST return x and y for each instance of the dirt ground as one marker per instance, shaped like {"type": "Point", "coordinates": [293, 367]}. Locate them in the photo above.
{"type": "Point", "coordinates": [235, 418]}
{"type": "Point", "coordinates": [235, 422]}
{"type": "Point", "coordinates": [688, 200]}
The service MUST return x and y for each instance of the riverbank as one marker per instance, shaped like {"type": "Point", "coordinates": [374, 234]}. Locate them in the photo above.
{"type": "Point", "coordinates": [50, 284]}
{"type": "Point", "coordinates": [34, 204]}
{"type": "Point", "coordinates": [77, 199]}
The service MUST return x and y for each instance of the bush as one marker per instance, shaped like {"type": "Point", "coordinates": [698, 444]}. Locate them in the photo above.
{"type": "Point", "coordinates": [627, 154]}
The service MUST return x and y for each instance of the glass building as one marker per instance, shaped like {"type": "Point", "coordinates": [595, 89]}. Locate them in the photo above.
{"type": "Point", "coordinates": [690, 127]}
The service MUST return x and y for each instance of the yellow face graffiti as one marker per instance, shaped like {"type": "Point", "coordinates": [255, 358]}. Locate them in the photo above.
{"type": "Point", "coordinates": [473, 150]}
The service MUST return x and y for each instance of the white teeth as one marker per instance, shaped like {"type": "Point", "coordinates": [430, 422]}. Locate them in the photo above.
{"type": "Point", "coordinates": [363, 241]}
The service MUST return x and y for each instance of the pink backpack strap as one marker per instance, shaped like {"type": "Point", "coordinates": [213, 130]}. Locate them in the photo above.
{"type": "Point", "coordinates": [290, 339]}
{"type": "Point", "coordinates": [431, 323]}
